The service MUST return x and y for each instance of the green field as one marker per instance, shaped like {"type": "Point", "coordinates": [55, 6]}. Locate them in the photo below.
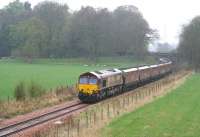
{"type": "Point", "coordinates": [51, 73]}
{"type": "Point", "coordinates": [175, 115]}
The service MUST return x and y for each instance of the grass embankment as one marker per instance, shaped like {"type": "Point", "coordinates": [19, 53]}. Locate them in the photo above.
{"type": "Point", "coordinates": [175, 115]}
{"type": "Point", "coordinates": [50, 73]}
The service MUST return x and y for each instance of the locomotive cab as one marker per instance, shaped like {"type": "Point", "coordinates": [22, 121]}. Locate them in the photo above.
{"type": "Point", "coordinates": [88, 84]}
{"type": "Point", "coordinates": [97, 85]}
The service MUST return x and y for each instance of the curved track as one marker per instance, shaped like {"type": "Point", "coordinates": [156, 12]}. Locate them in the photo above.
{"type": "Point", "coordinates": [15, 128]}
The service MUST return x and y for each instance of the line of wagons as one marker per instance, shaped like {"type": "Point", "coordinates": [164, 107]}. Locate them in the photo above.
{"type": "Point", "coordinates": [98, 85]}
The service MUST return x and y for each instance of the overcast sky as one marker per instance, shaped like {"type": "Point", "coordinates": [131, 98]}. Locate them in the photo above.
{"type": "Point", "coordinates": [167, 16]}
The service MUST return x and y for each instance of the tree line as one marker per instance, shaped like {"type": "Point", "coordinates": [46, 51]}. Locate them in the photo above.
{"type": "Point", "coordinates": [51, 30]}
{"type": "Point", "coordinates": [189, 45]}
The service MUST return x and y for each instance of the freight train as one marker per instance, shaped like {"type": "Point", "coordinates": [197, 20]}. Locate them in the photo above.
{"type": "Point", "coordinates": [97, 85]}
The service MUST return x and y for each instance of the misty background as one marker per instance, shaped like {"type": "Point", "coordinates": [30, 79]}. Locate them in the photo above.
{"type": "Point", "coordinates": [90, 29]}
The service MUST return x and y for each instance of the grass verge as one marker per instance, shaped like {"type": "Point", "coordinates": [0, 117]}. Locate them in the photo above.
{"type": "Point", "coordinates": [34, 102]}
{"type": "Point", "coordinates": [175, 115]}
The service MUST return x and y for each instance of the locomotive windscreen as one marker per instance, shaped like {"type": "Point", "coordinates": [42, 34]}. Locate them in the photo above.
{"type": "Point", "coordinates": [83, 80]}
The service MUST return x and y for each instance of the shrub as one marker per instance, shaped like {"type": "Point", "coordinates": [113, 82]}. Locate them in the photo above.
{"type": "Point", "coordinates": [19, 92]}
{"type": "Point", "coordinates": [60, 90]}
{"type": "Point", "coordinates": [35, 90]}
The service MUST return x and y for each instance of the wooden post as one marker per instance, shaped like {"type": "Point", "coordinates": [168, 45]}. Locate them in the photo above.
{"type": "Point", "coordinates": [102, 113]}
{"type": "Point", "coordinates": [136, 99]}
{"type": "Point", "coordinates": [119, 106]}
{"type": "Point", "coordinates": [114, 108]}
{"type": "Point", "coordinates": [108, 111]}
{"type": "Point", "coordinates": [150, 91]}
{"type": "Point", "coordinates": [139, 95]}
{"type": "Point", "coordinates": [132, 96]}
{"type": "Point", "coordinates": [142, 94]}
{"type": "Point", "coordinates": [128, 99]}
{"type": "Point", "coordinates": [57, 131]}
{"type": "Point", "coordinates": [123, 102]}
{"type": "Point", "coordinates": [68, 128]}
{"type": "Point", "coordinates": [94, 117]}
{"type": "Point", "coordinates": [90, 117]}
{"type": "Point", "coordinates": [72, 126]}
{"type": "Point", "coordinates": [87, 119]}
{"type": "Point", "coordinates": [78, 127]}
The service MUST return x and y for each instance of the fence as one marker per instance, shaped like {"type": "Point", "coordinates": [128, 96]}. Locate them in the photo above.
{"type": "Point", "coordinates": [87, 122]}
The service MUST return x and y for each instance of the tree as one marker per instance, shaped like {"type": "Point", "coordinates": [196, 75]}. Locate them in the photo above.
{"type": "Point", "coordinates": [83, 32]}
{"type": "Point", "coordinates": [28, 38]}
{"type": "Point", "coordinates": [130, 31]}
{"type": "Point", "coordinates": [90, 32]}
{"type": "Point", "coordinates": [189, 47]}
{"type": "Point", "coordinates": [55, 17]}
{"type": "Point", "coordinates": [13, 13]}
{"type": "Point", "coordinates": [49, 30]}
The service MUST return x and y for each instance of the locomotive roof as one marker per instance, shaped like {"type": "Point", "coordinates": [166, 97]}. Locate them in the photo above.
{"type": "Point", "coordinates": [144, 67]}
{"type": "Point", "coordinates": [105, 73]}
{"type": "Point", "coordinates": [153, 66]}
{"type": "Point", "coordinates": [166, 63]}
{"type": "Point", "coordinates": [130, 69]}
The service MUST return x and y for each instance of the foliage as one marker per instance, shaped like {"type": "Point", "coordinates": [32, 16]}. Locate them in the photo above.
{"type": "Point", "coordinates": [189, 47]}
{"type": "Point", "coordinates": [14, 108]}
{"type": "Point", "coordinates": [35, 90]}
{"type": "Point", "coordinates": [130, 30]}
{"type": "Point", "coordinates": [20, 93]}
{"type": "Point", "coordinates": [49, 30]}
{"type": "Point", "coordinates": [173, 115]}
{"type": "Point", "coordinates": [11, 15]}
{"type": "Point", "coordinates": [24, 90]}
{"type": "Point", "coordinates": [28, 38]}
{"type": "Point", "coordinates": [55, 17]}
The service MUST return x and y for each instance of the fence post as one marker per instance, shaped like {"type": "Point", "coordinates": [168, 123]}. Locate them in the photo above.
{"type": "Point", "coordinates": [132, 95]}
{"type": "Point", "coordinates": [136, 95]}
{"type": "Point", "coordinates": [139, 95]}
{"type": "Point", "coordinates": [143, 94]}
{"type": "Point", "coordinates": [95, 118]}
{"type": "Point", "coordinates": [102, 113]}
{"type": "Point", "coordinates": [123, 102]}
{"type": "Point", "coordinates": [108, 110]}
{"type": "Point", "coordinates": [90, 117]}
{"type": "Point", "coordinates": [57, 131]}
{"type": "Point", "coordinates": [87, 119]}
{"type": "Point", "coordinates": [78, 127]}
{"type": "Point", "coordinates": [128, 99]}
{"type": "Point", "coordinates": [114, 108]}
{"type": "Point", "coordinates": [68, 128]}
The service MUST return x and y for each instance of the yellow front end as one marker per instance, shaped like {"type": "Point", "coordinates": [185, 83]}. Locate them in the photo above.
{"type": "Point", "coordinates": [88, 88]}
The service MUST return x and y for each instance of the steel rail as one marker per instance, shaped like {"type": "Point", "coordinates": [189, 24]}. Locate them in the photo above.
{"type": "Point", "coordinates": [20, 126]}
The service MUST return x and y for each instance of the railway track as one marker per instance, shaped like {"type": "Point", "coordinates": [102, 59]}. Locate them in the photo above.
{"type": "Point", "coordinates": [23, 125]}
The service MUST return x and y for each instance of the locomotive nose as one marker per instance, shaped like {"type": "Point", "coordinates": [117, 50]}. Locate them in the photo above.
{"type": "Point", "coordinates": [88, 88]}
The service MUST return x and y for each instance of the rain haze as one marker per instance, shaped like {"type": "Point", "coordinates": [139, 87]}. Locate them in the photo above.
{"type": "Point", "coordinates": [85, 67]}
{"type": "Point", "coordinates": [167, 17]}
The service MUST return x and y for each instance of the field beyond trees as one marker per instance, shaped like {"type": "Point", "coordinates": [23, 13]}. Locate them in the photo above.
{"type": "Point", "coordinates": [50, 73]}
{"type": "Point", "coordinates": [175, 115]}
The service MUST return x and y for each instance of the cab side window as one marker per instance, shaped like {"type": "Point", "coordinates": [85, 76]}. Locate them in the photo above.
{"type": "Point", "coordinates": [104, 83]}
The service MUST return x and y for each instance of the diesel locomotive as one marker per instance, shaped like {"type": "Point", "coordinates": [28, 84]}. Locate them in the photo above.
{"type": "Point", "coordinates": [97, 85]}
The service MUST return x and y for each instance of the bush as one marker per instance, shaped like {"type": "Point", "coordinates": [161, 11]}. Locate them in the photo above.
{"type": "Point", "coordinates": [19, 92]}
{"type": "Point", "coordinates": [35, 90]}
